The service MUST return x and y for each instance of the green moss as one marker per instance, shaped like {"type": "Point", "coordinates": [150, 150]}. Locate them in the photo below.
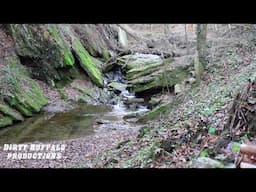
{"type": "Point", "coordinates": [5, 121]}
{"type": "Point", "coordinates": [69, 60]}
{"type": "Point", "coordinates": [5, 109]}
{"type": "Point", "coordinates": [144, 70]}
{"type": "Point", "coordinates": [68, 57]}
{"type": "Point", "coordinates": [143, 131]}
{"type": "Point", "coordinates": [106, 55]}
{"type": "Point", "coordinates": [160, 110]}
{"type": "Point", "coordinates": [54, 32]}
{"type": "Point", "coordinates": [162, 79]}
{"type": "Point", "coordinates": [24, 111]}
{"type": "Point", "coordinates": [87, 63]}
{"type": "Point", "coordinates": [25, 94]}
{"type": "Point", "coordinates": [154, 113]}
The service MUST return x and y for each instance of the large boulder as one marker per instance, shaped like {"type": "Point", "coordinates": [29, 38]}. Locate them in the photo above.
{"type": "Point", "coordinates": [146, 72]}
{"type": "Point", "coordinates": [43, 49]}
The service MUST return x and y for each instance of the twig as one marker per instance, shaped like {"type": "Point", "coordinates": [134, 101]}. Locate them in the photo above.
{"type": "Point", "coordinates": [232, 124]}
{"type": "Point", "coordinates": [242, 114]}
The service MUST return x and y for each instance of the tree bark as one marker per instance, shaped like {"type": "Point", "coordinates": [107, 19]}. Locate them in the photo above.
{"type": "Point", "coordinates": [200, 60]}
{"type": "Point", "coordinates": [201, 31]}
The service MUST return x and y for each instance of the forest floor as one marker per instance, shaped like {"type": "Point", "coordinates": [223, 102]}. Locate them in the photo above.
{"type": "Point", "coordinates": [192, 129]}
{"type": "Point", "coordinates": [195, 128]}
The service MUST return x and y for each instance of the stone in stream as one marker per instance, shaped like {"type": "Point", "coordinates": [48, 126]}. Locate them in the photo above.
{"type": "Point", "coordinates": [101, 121]}
{"type": "Point", "coordinates": [133, 100]}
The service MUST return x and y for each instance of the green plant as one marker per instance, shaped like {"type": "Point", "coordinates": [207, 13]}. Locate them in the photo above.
{"type": "Point", "coordinates": [143, 131]}
{"type": "Point", "coordinates": [204, 153]}
{"type": "Point", "coordinates": [212, 130]}
{"type": "Point", "coordinates": [236, 147]}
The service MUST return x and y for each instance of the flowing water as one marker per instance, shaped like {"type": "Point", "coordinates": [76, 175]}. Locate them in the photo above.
{"type": "Point", "coordinates": [79, 122]}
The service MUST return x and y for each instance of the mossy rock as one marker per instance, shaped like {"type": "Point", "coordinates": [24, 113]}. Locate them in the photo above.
{"type": "Point", "coordinates": [67, 55]}
{"type": "Point", "coordinates": [5, 121]}
{"type": "Point", "coordinates": [24, 93]}
{"type": "Point", "coordinates": [117, 86]}
{"type": "Point", "coordinates": [87, 63]}
{"type": "Point", "coordinates": [160, 110]}
{"type": "Point", "coordinates": [5, 109]}
{"type": "Point", "coordinates": [43, 48]}
{"type": "Point", "coordinates": [143, 70]}
{"type": "Point", "coordinates": [159, 79]}
{"type": "Point", "coordinates": [154, 113]}
{"type": "Point", "coordinates": [146, 72]}
{"type": "Point", "coordinates": [138, 60]}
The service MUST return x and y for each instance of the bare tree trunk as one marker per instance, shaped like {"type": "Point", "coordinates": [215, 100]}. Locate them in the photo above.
{"type": "Point", "coordinates": [200, 63]}
{"type": "Point", "coordinates": [166, 30]}
{"type": "Point", "coordinates": [186, 38]}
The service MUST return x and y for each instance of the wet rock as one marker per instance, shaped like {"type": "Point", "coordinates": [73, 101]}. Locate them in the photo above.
{"type": "Point", "coordinates": [117, 86]}
{"type": "Point", "coordinates": [129, 101]}
{"type": "Point", "coordinates": [205, 162]}
{"type": "Point", "coordinates": [131, 115]}
{"type": "Point", "coordinates": [131, 120]}
{"type": "Point", "coordinates": [101, 121]}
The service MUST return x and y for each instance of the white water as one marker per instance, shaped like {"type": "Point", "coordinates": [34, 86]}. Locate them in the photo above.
{"type": "Point", "coordinates": [121, 109]}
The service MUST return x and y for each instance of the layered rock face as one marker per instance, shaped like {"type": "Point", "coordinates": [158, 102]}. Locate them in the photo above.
{"type": "Point", "coordinates": [52, 53]}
